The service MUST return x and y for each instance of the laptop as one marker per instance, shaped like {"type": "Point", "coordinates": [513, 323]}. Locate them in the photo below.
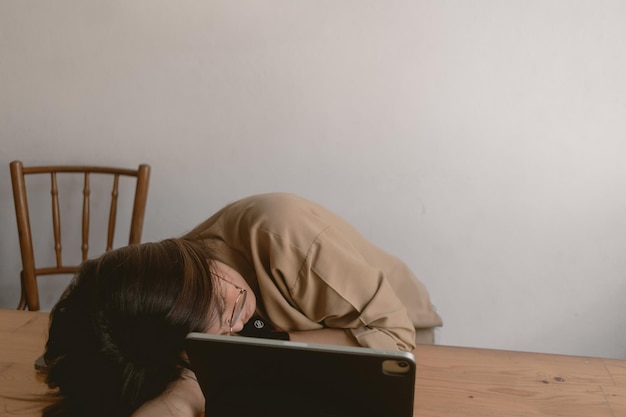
{"type": "Point", "coordinates": [244, 376]}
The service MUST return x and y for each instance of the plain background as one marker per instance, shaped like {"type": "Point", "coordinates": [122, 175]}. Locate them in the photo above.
{"type": "Point", "coordinates": [483, 142]}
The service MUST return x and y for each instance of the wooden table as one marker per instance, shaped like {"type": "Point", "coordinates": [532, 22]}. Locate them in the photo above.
{"type": "Point", "coordinates": [451, 381]}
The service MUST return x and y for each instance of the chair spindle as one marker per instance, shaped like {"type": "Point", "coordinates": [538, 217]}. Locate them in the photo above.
{"type": "Point", "coordinates": [113, 213]}
{"type": "Point", "coordinates": [86, 193]}
{"type": "Point", "coordinates": [56, 219]}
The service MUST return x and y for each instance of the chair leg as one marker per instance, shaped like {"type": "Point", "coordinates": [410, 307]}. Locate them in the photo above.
{"type": "Point", "coordinates": [22, 304]}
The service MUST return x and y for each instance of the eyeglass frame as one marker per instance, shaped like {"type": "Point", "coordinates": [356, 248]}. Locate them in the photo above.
{"type": "Point", "coordinates": [240, 302]}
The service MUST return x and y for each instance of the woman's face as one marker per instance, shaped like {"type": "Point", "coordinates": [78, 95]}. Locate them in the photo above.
{"type": "Point", "coordinates": [229, 283]}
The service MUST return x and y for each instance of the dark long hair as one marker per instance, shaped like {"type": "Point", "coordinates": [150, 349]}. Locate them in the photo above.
{"type": "Point", "coordinates": [116, 335]}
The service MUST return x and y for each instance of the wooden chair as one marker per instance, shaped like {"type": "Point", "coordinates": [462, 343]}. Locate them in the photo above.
{"type": "Point", "coordinates": [30, 268]}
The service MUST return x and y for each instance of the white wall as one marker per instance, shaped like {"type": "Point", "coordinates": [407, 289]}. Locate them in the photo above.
{"type": "Point", "coordinates": [481, 141]}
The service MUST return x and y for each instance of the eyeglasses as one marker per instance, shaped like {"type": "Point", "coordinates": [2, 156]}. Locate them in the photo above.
{"type": "Point", "coordinates": [238, 307]}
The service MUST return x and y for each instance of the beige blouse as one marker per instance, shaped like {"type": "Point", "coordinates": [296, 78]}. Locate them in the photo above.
{"type": "Point", "coordinates": [310, 269]}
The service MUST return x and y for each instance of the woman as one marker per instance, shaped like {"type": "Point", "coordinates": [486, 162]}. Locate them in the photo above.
{"type": "Point", "coordinates": [317, 277]}
{"type": "Point", "coordinates": [274, 261]}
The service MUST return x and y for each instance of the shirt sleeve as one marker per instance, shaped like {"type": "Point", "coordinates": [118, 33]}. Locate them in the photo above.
{"type": "Point", "coordinates": [338, 288]}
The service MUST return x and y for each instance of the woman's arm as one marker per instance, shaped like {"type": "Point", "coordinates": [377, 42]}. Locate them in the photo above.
{"type": "Point", "coordinates": [339, 289]}
{"type": "Point", "coordinates": [324, 336]}
{"type": "Point", "coordinates": [183, 398]}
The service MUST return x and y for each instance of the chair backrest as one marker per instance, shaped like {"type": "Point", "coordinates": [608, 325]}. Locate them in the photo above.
{"type": "Point", "coordinates": [31, 270]}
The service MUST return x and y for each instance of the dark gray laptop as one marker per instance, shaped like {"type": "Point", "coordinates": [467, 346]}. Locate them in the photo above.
{"type": "Point", "coordinates": [243, 376]}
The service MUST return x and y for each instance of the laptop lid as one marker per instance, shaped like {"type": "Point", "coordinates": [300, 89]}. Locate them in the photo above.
{"type": "Point", "coordinates": [243, 376]}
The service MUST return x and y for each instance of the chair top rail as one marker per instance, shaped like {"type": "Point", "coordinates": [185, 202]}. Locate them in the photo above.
{"type": "Point", "coordinates": [79, 168]}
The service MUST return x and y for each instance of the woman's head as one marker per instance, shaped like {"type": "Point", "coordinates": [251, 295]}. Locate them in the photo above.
{"type": "Point", "coordinates": [122, 323]}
